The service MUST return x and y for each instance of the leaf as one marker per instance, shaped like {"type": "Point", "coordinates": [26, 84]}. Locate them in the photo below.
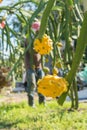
{"type": "Point", "coordinates": [26, 13]}
{"type": "Point", "coordinates": [9, 44]}
{"type": "Point", "coordinates": [38, 10]}
{"type": "Point", "coordinates": [20, 18]}
{"type": "Point", "coordinates": [57, 8]}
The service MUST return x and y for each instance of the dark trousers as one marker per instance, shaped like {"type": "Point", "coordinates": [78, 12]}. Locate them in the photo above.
{"type": "Point", "coordinates": [32, 78]}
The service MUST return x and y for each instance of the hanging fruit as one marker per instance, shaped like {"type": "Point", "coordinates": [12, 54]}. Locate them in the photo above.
{"type": "Point", "coordinates": [43, 46]}
{"type": "Point", "coordinates": [35, 26]}
{"type": "Point", "coordinates": [59, 44]}
{"type": "Point", "coordinates": [1, 1]}
{"type": "Point", "coordinates": [52, 86]}
{"type": "Point", "coordinates": [55, 71]}
{"type": "Point", "coordinates": [2, 24]}
{"type": "Point", "coordinates": [46, 70]}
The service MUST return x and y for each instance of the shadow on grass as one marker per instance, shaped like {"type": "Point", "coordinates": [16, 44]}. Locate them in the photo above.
{"type": "Point", "coordinates": [4, 125]}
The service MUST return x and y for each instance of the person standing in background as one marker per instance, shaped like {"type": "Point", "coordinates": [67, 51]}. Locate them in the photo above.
{"type": "Point", "coordinates": [33, 70]}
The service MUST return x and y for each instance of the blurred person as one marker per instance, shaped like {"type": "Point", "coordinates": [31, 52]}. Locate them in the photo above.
{"type": "Point", "coordinates": [33, 70]}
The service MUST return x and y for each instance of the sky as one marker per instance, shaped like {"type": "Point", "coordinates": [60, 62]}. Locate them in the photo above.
{"type": "Point", "coordinates": [7, 2]}
{"type": "Point", "coordinates": [4, 13]}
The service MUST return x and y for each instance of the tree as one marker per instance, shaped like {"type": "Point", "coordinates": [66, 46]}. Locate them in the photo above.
{"type": "Point", "coordinates": [60, 20]}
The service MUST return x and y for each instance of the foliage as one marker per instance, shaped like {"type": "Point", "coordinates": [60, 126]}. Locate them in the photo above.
{"type": "Point", "coordinates": [53, 117]}
{"type": "Point", "coordinates": [61, 20]}
{"type": "Point", "coordinates": [18, 19]}
{"type": "Point", "coordinates": [3, 80]}
{"type": "Point", "coordinates": [79, 49]}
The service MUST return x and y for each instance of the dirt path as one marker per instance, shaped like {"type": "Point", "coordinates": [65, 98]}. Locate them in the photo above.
{"type": "Point", "coordinates": [22, 96]}
{"type": "Point", "coordinates": [13, 97]}
{"type": "Point", "coordinates": [16, 97]}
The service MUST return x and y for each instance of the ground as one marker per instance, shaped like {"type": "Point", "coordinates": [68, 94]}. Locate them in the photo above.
{"type": "Point", "coordinates": [16, 97]}
{"type": "Point", "coordinates": [13, 97]}
{"type": "Point", "coordinates": [22, 96]}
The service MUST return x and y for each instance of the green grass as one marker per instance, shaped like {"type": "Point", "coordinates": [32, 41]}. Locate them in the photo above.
{"type": "Point", "coordinates": [1, 96]}
{"type": "Point", "coordinates": [50, 117]}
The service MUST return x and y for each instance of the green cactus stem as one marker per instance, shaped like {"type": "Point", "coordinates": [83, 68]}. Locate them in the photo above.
{"type": "Point", "coordinates": [45, 18]}
{"type": "Point", "coordinates": [81, 44]}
